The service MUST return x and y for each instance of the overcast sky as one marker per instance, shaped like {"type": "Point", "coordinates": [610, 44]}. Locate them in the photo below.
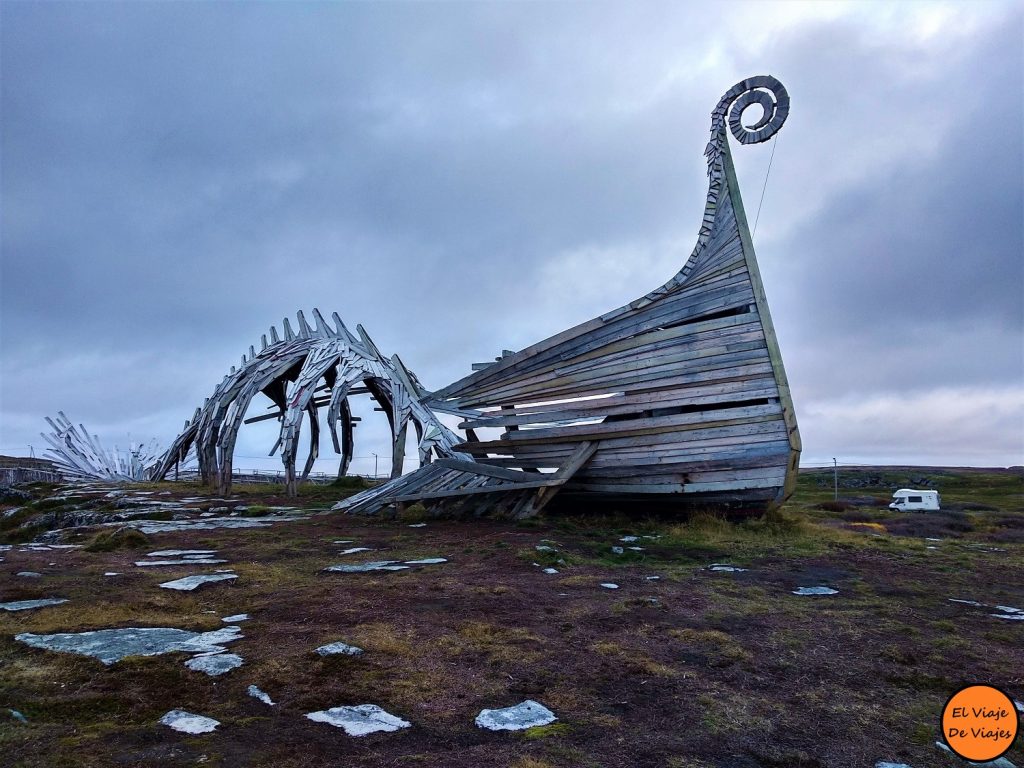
{"type": "Point", "coordinates": [463, 178]}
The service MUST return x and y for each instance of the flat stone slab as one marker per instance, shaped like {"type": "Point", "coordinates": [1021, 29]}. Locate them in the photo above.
{"type": "Point", "coordinates": [999, 762]}
{"type": "Point", "coordinates": [186, 722]}
{"type": "Point", "coordinates": [339, 649]}
{"type": "Point", "coordinates": [111, 645]}
{"type": "Point", "coordinates": [181, 561]}
{"type": "Point", "coordinates": [609, 585]}
{"type": "Point", "coordinates": [815, 591]}
{"type": "Point", "coordinates": [629, 539]}
{"type": "Point", "coordinates": [418, 525]}
{"type": "Point", "coordinates": [205, 524]}
{"type": "Point", "coordinates": [550, 571]}
{"type": "Point", "coordinates": [377, 565]}
{"type": "Point", "coordinates": [528, 714]}
{"type": "Point", "coordinates": [256, 693]}
{"type": "Point", "coordinates": [29, 574]}
{"type": "Point", "coordinates": [385, 565]}
{"type": "Point", "coordinates": [359, 720]}
{"type": "Point", "coordinates": [28, 605]}
{"type": "Point", "coordinates": [235, 618]}
{"type": "Point", "coordinates": [353, 550]}
{"type": "Point", "coordinates": [181, 552]}
{"type": "Point", "coordinates": [726, 568]}
{"type": "Point", "coordinates": [190, 583]}
{"type": "Point", "coordinates": [1006, 612]}
{"type": "Point", "coordinates": [214, 664]}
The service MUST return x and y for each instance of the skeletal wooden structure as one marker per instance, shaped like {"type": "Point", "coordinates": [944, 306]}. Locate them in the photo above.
{"type": "Point", "coordinates": [680, 395]}
{"type": "Point", "coordinates": [302, 372]}
{"type": "Point", "coordinates": [81, 456]}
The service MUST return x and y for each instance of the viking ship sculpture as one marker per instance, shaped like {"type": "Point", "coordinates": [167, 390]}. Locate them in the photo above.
{"type": "Point", "coordinates": [679, 397]}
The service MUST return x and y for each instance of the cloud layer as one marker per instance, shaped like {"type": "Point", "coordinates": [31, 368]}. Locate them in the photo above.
{"type": "Point", "coordinates": [466, 178]}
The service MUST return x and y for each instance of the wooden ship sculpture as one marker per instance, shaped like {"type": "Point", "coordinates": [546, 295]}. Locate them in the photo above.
{"type": "Point", "coordinates": [677, 398]}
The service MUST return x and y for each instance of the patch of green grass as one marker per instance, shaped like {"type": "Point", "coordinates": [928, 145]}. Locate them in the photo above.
{"type": "Point", "coordinates": [122, 538]}
{"type": "Point", "coordinates": [546, 731]}
{"type": "Point", "coordinates": [413, 513]}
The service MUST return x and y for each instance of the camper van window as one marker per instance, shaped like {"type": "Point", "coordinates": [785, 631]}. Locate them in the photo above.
{"type": "Point", "coordinates": [914, 498]}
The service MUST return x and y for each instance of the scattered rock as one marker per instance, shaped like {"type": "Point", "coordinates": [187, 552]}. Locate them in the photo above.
{"type": "Point", "coordinates": [214, 663]}
{"type": "Point", "coordinates": [629, 539]}
{"type": "Point", "coordinates": [181, 552]}
{"type": "Point", "coordinates": [339, 649]}
{"type": "Point", "coordinates": [359, 720]}
{"type": "Point", "coordinates": [203, 561]}
{"type": "Point", "coordinates": [186, 722]}
{"type": "Point", "coordinates": [609, 585]}
{"type": "Point", "coordinates": [883, 764]}
{"type": "Point", "coordinates": [545, 548]}
{"type": "Point", "coordinates": [110, 645]}
{"type": "Point", "coordinates": [1001, 762]}
{"type": "Point", "coordinates": [385, 565]}
{"type": "Point", "coordinates": [1010, 614]}
{"type": "Point", "coordinates": [234, 619]}
{"type": "Point", "coordinates": [256, 693]}
{"type": "Point", "coordinates": [618, 550]}
{"type": "Point", "coordinates": [205, 523]}
{"type": "Point", "coordinates": [29, 574]}
{"type": "Point", "coordinates": [725, 568]}
{"type": "Point", "coordinates": [377, 565]}
{"type": "Point", "coordinates": [353, 550]}
{"type": "Point", "coordinates": [652, 578]}
{"type": "Point", "coordinates": [190, 583]}
{"type": "Point", "coordinates": [635, 549]}
{"type": "Point", "coordinates": [18, 716]}
{"type": "Point", "coordinates": [815, 591]}
{"type": "Point", "coordinates": [26, 605]}
{"type": "Point", "coordinates": [1003, 611]}
{"type": "Point", "coordinates": [418, 525]}
{"type": "Point", "coordinates": [111, 573]}
{"type": "Point", "coordinates": [550, 570]}
{"type": "Point", "coordinates": [528, 714]}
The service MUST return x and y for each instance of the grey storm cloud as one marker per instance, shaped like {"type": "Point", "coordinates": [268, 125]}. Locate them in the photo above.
{"type": "Point", "coordinates": [466, 178]}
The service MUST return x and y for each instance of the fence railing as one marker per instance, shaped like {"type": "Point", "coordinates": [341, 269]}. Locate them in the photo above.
{"type": "Point", "coordinates": [266, 476]}
{"type": "Point", "coordinates": [11, 475]}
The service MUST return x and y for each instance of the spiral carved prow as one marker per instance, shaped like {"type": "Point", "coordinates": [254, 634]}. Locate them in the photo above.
{"type": "Point", "coordinates": [762, 90]}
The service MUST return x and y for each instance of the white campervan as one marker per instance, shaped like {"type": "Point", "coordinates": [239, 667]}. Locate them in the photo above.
{"type": "Point", "coordinates": [909, 500]}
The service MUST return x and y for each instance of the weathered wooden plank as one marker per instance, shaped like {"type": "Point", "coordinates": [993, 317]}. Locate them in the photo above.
{"type": "Point", "coordinates": [483, 469]}
{"type": "Point", "coordinates": [742, 391]}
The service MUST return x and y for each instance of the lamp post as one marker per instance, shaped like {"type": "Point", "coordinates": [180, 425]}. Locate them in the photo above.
{"type": "Point", "coordinates": [375, 466]}
{"type": "Point", "coordinates": [835, 477]}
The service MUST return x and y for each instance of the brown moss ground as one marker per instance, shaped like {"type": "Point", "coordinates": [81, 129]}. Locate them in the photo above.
{"type": "Point", "coordinates": [697, 669]}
